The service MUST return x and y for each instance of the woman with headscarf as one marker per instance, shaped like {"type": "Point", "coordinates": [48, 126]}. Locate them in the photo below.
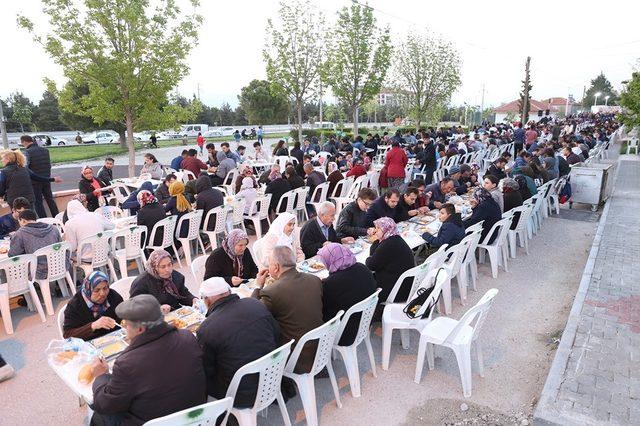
{"type": "Point", "coordinates": [389, 257]}
{"type": "Point", "coordinates": [83, 224]}
{"type": "Point", "coordinates": [244, 172]}
{"type": "Point", "coordinates": [485, 209]}
{"type": "Point", "coordinates": [333, 176]}
{"type": "Point", "coordinates": [357, 170]}
{"type": "Point", "coordinates": [248, 192]}
{"type": "Point", "coordinates": [232, 261]}
{"type": "Point", "coordinates": [78, 197]}
{"type": "Point", "coordinates": [282, 232]}
{"type": "Point", "coordinates": [277, 186]}
{"type": "Point", "coordinates": [207, 197]}
{"type": "Point", "coordinates": [162, 282]}
{"type": "Point", "coordinates": [293, 177]}
{"type": "Point", "coordinates": [348, 283]}
{"type": "Point", "coordinates": [91, 187]}
{"type": "Point", "coordinates": [178, 205]}
{"type": "Point", "coordinates": [510, 193]}
{"type": "Point", "coordinates": [131, 202]}
{"type": "Point", "coordinates": [91, 312]}
{"type": "Point", "coordinates": [150, 213]}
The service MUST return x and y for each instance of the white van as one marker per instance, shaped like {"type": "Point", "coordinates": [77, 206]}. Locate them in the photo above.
{"type": "Point", "coordinates": [192, 130]}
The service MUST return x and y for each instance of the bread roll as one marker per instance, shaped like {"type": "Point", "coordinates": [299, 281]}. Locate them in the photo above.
{"type": "Point", "coordinates": [65, 356]}
{"type": "Point", "coordinates": [85, 376]}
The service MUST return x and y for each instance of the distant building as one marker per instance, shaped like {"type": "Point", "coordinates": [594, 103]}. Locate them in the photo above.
{"type": "Point", "coordinates": [552, 107]}
{"type": "Point", "coordinates": [385, 97]}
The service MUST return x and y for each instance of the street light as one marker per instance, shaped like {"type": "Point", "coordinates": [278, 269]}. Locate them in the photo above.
{"type": "Point", "coordinates": [596, 96]}
{"type": "Point", "coordinates": [606, 100]}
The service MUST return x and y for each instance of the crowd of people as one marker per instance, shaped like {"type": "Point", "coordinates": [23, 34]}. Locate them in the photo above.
{"type": "Point", "coordinates": [286, 302]}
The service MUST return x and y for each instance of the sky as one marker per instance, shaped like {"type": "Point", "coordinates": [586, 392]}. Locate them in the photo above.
{"type": "Point", "coordinates": [570, 42]}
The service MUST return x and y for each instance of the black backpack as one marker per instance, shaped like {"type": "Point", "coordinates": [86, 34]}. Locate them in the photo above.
{"type": "Point", "coordinates": [414, 305]}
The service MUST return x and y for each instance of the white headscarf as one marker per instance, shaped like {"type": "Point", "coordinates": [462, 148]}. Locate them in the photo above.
{"type": "Point", "coordinates": [75, 208]}
{"type": "Point", "coordinates": [247, 183]}
{"type": "Point", "coordinates": [277, 229]}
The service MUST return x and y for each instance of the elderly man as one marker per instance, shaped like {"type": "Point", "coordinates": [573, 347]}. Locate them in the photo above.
{"type": "Point", "coordinates": [318, 232]}
{"type": "Point", "coordinates": [235, 332]}
{"type": "Point", "coordinates": [294, 299]}
{"type": "Point", "coordinates": [439, 191]}
{"type": "Point", "coordinates": [159, 373]}
{"type": "Point", "coordinates": [314, 178]}
{"type": "Point", "coordinates": [352, 219]}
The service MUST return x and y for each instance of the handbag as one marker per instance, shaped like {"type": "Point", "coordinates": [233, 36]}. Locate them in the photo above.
{"type": "Point", "coordinates": [422, 295]}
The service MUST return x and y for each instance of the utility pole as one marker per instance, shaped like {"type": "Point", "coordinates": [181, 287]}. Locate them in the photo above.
{"type": "Point", "coordinates": [320, 114]}
{"type": "Point", "coordinates": [524, 117]}
{"type": "Point", "coordinates": [3, 128]}
{"type": "Point", "coordinates": [482, 106]}
{"type": "Point", "coordinates": [566, 107]}
{"type": "Point", "coordinates": [198, 91]}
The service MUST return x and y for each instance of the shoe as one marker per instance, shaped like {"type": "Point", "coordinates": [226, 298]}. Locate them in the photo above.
{"type": "Point", "coordinates": [6, 372]}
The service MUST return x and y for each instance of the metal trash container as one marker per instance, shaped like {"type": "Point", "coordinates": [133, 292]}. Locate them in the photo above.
{"type": "Point", "coordinates": [591, 183]}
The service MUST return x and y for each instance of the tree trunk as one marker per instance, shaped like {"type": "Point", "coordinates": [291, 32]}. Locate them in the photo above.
{"type": "Point", "coordinates": [130, 146]}
{"type": "Point", "coordinates": [299, 109]}
{"type": "Point", "coordinates": [355, 121]}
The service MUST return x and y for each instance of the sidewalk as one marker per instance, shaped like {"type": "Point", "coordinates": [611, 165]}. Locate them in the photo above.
{"type": "Point", "coordinates": [595, 376]}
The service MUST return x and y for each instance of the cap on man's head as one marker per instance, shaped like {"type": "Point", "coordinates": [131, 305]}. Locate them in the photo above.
{"type": "Point", "coordinates": [213, 287]}
{"type": "Point", "coordinates": [141, 308]}
{"type": "Point", "coordinates": [454, 169]}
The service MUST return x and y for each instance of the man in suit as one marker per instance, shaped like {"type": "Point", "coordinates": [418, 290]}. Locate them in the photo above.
{"type": "Point", "coordinates": [318, 232]}
{"type": "Point", "coordinates": [294, 299]}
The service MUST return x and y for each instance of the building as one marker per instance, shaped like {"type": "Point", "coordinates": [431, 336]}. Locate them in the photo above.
{"type": "Point", "coordinates": [552, 107]}
{"type": "Point", "coordinates": [385, 97]}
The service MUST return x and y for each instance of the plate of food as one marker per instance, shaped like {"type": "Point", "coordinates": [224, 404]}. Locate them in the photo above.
{"type": "Point", "coordinates": [113, 349]}
{"type": "Point", "coordinates": [311, 266]}
{"type": "Point", "coordinates": [184, 311]}
{"type": "Point", "coordinates": [177, 323]}
{"type": "Point", "coordinates": [426, 219]}
{"type": "Point", "coordinates": [108, 338]}
{"type": "Point", "coordinates": [194, 327]}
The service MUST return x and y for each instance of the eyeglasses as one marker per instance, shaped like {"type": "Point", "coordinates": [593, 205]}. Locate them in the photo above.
{"type": "Point", "coordinates": [366, 203]}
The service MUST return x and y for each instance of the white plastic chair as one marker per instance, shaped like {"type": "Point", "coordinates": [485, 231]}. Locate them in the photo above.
{"type": "Point", "coordinates": [259, 211]}
{"type": "Point", "coordinates": [206, 413]}
{"type": "Point", "coordinates": [237, 214]}
{"type": "Point", "coordinates": [198, 270]}
{"type": "Point", "coordinates": [269, 368]}
{"type": "Point", "coordinates": [458, 336]}
{"type": "Point", "coordinates": [54, 221]}
{"type": "Point", "coordinates": [168, 226]}
{"type": "Point", "coordinates": [350, 353]}
{"type": "Point", "coordinates": [101, 249]}
{"type": "Point", "coordinates": [194, 218]}
{"type": "Point", "coordinates": [60, 321]}
{"type": "Point", "coordinates": [520, 233]}
{"type": "Point", "coordinates": [394, 318]}
{"type": "Point", "coordinates": [219, 216]}
{"type": "Point", "coordinates": [57, 270]}
{"type": "Point", "coordinates": [132, 240]}
{"type": "Point", "coordinates": [110, 212]}
{"type": "Point", "coordinates": [498, 250]}
{"type": "Point", "coordinates": [469, 267]}
{"type": "Point", "coordinates": [229, 181]}
{"type": "Point", "coordinates": [326, 336]}
{"type": "Point", "coordinates": [187, 176]}
{"type": "Point", "coordinates": [452, 262]}
{"type": "Point", "coordinates": [20, 272]}
{"type": "Point", "coordinates": [123, 287]}
{"type": "Point", "coordinates": [319, 195]}
{"type": "Point", "coordinates": [286, 203]}
{"type": "Point", "coordinates": [633, 145]}
{"type": "Point", "coordinates": [439, 174]}
{"type": "Point", "coordinates": [301, 203]}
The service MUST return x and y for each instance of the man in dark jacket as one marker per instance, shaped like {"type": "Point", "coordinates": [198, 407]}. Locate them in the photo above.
{"type": "Point", "coordinates": [314, 178]}
{"type": "Point", "coordinates": [39, 162]}
{"type": "Point", "coordinates": [235, 332]}
{"type": "Point", "coordinates": [9, 222]}
{"type": "Point", "coordinates": [439, 191]}
{"type": "Point", "coordinates": [105, 173]}
{"type": "Point", "coordinates": [385, 206]}
{"type": "Point", "coordinates": [497, 168]}
{"type": "Point", "coordinates": [451, 231]}
{"type": "Point", "coordinates": [159, 373]}
{"type": "Point", "coordinates": [428, 158]}
{"type": "Point", "coordinates": [162, 191]}
{"type": "Point", "coordinates": [352, 219]}
{"type": "Point", "coordinates": [319, 231]}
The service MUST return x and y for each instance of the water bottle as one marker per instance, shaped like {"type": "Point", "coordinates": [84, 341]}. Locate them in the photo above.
{"type": "Point", "coordinates": [200, 306]}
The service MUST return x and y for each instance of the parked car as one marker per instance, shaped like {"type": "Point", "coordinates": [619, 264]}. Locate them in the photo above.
{"type": "Point", "coordinates": [41, 139]}
{"type": "Point", "coordinates": [101, 136]}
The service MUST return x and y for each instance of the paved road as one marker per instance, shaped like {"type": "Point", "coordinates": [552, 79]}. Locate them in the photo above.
{"type": "Point", "coordinates": [596, 374]}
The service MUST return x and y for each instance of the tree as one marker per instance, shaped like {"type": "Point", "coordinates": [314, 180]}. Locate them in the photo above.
{"type": "Point", "coordinates": [131, 53]}
{"type": "Point", "coordinates": [601, 85]}
{"type": "Point", "coordinates": [358, 55]}
{"type": "Point", "coordinates": [294, 52]}
{"type": "Point", "coordinates": [21, 109]}
{"type": "Point", "coordinates": [427, 72]}
{"type": "Point", "coordinates": [46, 116]}
{"type": "Point", "coordinates": [240, 116]}
{"type": "Point", "coordinates": [630, 100]}
{"type": "Point", "coordinates": [225, 115]}
{"type": "Point", "coordinates": [262, 103]}
{"type": "Point", "coordinates": [524, 103]}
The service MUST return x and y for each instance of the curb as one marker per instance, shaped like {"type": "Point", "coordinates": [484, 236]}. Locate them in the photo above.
{"type": "Point", "coordinates": [545, 413]}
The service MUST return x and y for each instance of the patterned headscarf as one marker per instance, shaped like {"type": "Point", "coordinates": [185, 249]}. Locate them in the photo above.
{"type": "Point", "coordinates": [509, 185]}
{"type": "Point", "coordinates": [332, 167]}
{"type": "Point", "coordinates": [481, 194]}
{"type": "Point", "coordinates": [146, 197]}
{"type": "Point", "coordinates": [336, 257]}
{"type": "Point", "coordinates": [81, 197]}
{"type": "Point", "coordinates": [229, 246]}
{"type": "Point", "coordinates": [388, 227]}
{"type": "Point", "coordinates": [88, 285]}
{"type": "Point", "coordinates": [274, 174]}
{"type": "Point", "coordinates": [168, 286]}
{"type": "Point", "coordinates": [176, 189]}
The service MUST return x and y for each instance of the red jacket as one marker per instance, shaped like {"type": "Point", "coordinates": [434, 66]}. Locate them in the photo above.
{"type": "Point", "coordinates": [200, 140]}
{"type": "Point", "coordinates": [194, 165]}
{"type": "Point", "coordinates": [396, 161]}
{"type": "Point", "coordinates": [357, 171]}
